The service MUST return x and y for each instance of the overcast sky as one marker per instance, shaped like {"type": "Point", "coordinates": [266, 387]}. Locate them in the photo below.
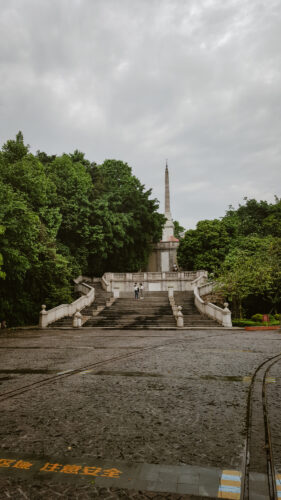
{"type": "Point", "coordinates": [194, 81]}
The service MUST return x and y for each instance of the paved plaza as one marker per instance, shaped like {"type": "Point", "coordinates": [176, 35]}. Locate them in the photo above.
{"type": "Point", "coordinates": [129, 414]}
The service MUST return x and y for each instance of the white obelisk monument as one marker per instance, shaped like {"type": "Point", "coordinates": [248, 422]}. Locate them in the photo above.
{"type": "Point", "coordinates": [164, 254]}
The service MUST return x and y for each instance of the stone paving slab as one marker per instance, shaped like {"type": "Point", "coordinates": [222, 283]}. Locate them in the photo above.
{"type": "Point", "coordinates": [132, 480]}
{"type": "Point", "coordinates": [107, 474]}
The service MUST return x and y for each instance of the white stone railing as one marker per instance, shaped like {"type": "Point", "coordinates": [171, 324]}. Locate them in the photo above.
{"type": "Point", "coordinates": [47, 317]}
{"type": "Point", "coordinates": [186, 275]}
{"type": "Point", "coordinates": [222, 316]}
{"type": "Point", "coordinates": [158, 281]}
{"type": "Point", "coordinates": [206, 288]}
{"type": "Point", "coordinates": [176, 310]}
{"type": "Point", "coordinates": [199, 281]}
{"type": "Point", "coordinates": [80, 279]}
{"type": "Point", "coordinates": [104, 283]}
{"type": "Point", "coordinates": [83, 288]}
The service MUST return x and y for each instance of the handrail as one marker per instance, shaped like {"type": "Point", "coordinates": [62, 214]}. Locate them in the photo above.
{"type": "Point", "coordinates": [105, 285]}
{"type": "Point", "coordinates": [206, 288]}
{"type": "Point", "coordinates": [222, 316]}
{"type": "Point", "coordinates": [80, 279]}
{"type": "Point", "coordinates": [63, 310]}
{"type": "Point", "coordinates": [143, 276]}
{"type": "Point", "coordinates": [198, 279]}
{"type": "Point", "coordinates": [153, 281]}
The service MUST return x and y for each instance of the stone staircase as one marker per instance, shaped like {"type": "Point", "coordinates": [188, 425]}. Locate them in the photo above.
{"type": "Point", "coordinates": [191, 315]}
{"type": "Point", "coordinates": [101, 296]}
{"type": "Point", "coordinates": [152, 311]}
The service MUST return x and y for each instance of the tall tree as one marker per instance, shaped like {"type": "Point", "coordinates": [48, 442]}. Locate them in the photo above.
{"type": "Point", "coordinates": [14, 150]}
{"type": "Point", "coordinates": [124, 219]}
{"type": "Point", "coordinates": [206, 246]}
{"type": "Point", "coordinates": [250, 270]}
{"type": "Point", "coordinates": [73, 187]}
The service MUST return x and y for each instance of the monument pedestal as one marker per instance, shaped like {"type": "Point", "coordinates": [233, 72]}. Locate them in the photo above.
{"type": "Point", "coordinates": [163, 257]}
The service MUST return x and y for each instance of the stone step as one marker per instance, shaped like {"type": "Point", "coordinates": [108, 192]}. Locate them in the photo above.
{"type": "Point", "coordinates": [161, 307]}
{"type": "Point", "coordinates": [101, 297]}
{"type": "Point", "coordinates": [153, 311]}
{"type": "Point", "coordinates": [146, 298]}
{"type": "Point", "coordinates": [133, 318]}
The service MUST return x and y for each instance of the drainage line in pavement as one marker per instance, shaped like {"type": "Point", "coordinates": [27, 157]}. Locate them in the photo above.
{"type": "Point", "coordinates": [16, 392]}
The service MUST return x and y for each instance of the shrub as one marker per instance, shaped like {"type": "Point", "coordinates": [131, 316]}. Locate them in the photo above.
{"type": "Point", "coordinates": [257, 317]}
{"type": "Point", "coordinates": [277, 317]}
{"type": "Point", "coordinates": [243, 322]}
{"type": "Point", "coordinates": [249, 322]}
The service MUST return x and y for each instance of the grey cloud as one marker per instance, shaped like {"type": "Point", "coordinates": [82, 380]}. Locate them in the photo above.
{"type": "Point", "coordinates": [197, 82]}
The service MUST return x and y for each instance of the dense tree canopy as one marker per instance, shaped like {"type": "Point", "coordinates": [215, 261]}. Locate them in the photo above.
{"type": "Point", "coordinates": [252, 270]}
{"type": "Point", "coordinates": [124, 219]}
{"type": "Point", "coordinates": [206, 246]}
{"type": "Point", "coordinates": [61, 216]}
{"type": "Point", "coordinates": [243, 251]}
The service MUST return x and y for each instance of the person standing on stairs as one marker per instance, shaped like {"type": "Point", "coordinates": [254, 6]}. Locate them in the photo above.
{"type": "Point", "coordinates": [136, 288]}
{"type": "Point", "coordinates": [141, 291]}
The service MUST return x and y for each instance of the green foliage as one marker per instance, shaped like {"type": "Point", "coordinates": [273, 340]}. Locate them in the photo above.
{"type": "Point", "coordinates": [257, 317]}
{"type": "Point", "coordinates": [44, 158]}
{"type": "Point", "coordinates": [124, 220]}
{"type": "Point", "coordinates": [73, 188]}
{"type": "Point", "coordinates": [247, 270]}
{"type": "Point", "coordinates": [260, 218]}
{"type": "Point", "coordinates": [178, 230]}
{"type": "Point", "coordinates": [243, 251]}
{"type": "Point", "coordinates": [244, 322]}
{"type": "Point", "coordinates": [206, 246]}
{"type": "Point", "coordinates": [31, 262]}
{"type": "Point", "coordinates": [64, 216]}
{"type": "Point", "coordinates": [247, 322]}
{"type": "Point", "coordinates": [2, 274]}
{"type": "Point", "coordinates": [14, 150]}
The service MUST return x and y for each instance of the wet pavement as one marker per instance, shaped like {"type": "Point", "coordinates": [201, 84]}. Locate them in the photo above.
{"type": "Point", "coordinates": [167, 409]}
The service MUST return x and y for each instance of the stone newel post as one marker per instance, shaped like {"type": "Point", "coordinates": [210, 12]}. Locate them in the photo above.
{"type": "Point", "coordinates": [77, 320]}
{"type": "Point", "coordinates": [226, 320]}
{"type": "Point", "coordinates": [179, 317]}
{"type": "Point", "coordinates": [43, 318]}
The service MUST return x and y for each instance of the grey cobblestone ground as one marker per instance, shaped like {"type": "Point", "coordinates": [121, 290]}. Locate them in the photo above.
{"type": "Point", "coordinates": [183, 403]}
{"type": "Point", "coordinates": [21, 490]}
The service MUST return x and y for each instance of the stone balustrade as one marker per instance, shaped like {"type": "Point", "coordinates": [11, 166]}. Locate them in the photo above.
{"type": "Point", "coordinates": [63, 310]}
{"type": "Point", "coordinates": [153, 282]}
{"type": "Point", "coordinates": [105, 285]}
{"type": "Point", "coordinates": [206, 288]}
{"type": "Point", "coordinates": [222, 316]}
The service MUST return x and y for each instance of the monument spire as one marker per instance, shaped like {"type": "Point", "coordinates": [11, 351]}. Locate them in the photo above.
{"type": "Point", "coordinates": [168, 230]}
{"type": "Point", "coordinates": [167, 193]}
